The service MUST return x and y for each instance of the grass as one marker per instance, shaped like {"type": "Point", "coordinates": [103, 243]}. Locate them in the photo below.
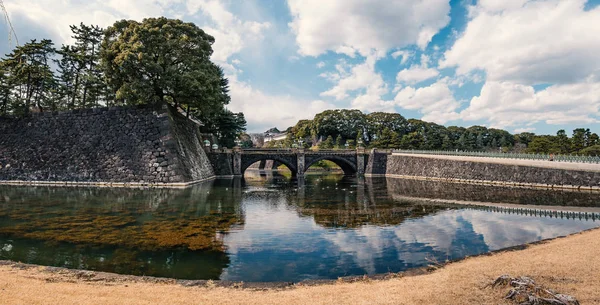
{"type": "Point", "coordinates": [568, 265]}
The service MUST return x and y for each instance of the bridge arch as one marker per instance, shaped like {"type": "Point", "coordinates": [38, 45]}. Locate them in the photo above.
{"type": "Point", "coordinates": [346, 163]}
{"type": "Point", "coordinates": [249, 159]}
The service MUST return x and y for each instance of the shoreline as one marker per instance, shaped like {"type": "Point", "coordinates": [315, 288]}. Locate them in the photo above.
{"type": "Point", "coordinates": [571, 257]}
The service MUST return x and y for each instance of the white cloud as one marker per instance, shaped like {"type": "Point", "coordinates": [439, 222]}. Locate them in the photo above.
{"type": "Point", "coordinates": [529, 43]}
{"type": "Point", "coordinates": [416, 74]}
{"type": "Point", "coordinates": [500, 5]}
{"type": "Point", "coordinates": [436, 102]}
{"type": "Point", "coordinates": [525, 129]}
{"type": "Point", "coordinates": [372, 103]}
{"type": "Point", "coordinates": [263, 111]}
{"type": "Point", "coordinates": [56, 19]}
{"type": "Point", "coordinates": [360, 77]}
{"type": "Point", "coordinates": [406, 55]}
{"type": "Point", "coordinates": [507, 104]}
{"type": "Point", "coordinates": [349, 26]}
{"type": "Point", "coordinates": [320, 64]}
{"type": "Point", "coordinates": [231, 34]}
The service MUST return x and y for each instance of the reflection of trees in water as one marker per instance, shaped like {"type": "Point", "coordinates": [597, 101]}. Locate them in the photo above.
{"type": "Point", "coordinates": [345, 202]}
{"type": "Point", "coordinates": [110, 228]}
{"type": "Point", "coordinates": [338, 201]}
{"type": "Point", "coordinates": [486, 193]}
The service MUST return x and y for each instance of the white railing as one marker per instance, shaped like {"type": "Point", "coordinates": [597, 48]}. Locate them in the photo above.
{"type": "Point", "coordinates": [546, 157]}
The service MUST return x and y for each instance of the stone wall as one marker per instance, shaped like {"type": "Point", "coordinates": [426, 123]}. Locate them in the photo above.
{"type": "Point", "coordinates": [376, 163]}
{"type": "Point", "coordinates": [445, 169]}
{"type": "Point", "coordinates": [221, 163]}
{"type": "Point", "coordinates": [118, 144]}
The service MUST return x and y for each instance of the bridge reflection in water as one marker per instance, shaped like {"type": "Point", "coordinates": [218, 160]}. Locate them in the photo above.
{"type": "Point", "coordinates": [270, 228]}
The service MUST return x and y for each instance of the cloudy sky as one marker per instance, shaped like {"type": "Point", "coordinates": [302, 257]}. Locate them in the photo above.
{"type": "Point", "coordinates": [514, 64]}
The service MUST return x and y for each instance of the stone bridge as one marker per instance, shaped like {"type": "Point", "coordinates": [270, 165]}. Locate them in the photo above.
{"type": "Point", "coordinates": [235, 162]}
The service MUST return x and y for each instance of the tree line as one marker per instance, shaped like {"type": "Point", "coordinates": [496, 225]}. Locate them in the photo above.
{"type": "Point", "coordinates": [155, 61]}
{"type": "Point", "coordinates": [347, 128]}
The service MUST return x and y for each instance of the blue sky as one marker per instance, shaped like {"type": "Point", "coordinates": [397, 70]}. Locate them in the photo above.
{"type": "Point", "coordinates": [518, 65]}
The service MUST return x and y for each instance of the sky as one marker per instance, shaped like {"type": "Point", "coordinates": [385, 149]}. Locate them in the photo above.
{"type": "Point", "coordinates": [519, 65]}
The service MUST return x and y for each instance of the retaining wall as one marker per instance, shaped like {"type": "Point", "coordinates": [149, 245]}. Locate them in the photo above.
{"type": "Point", "coordinates": [139, 144]}
{"type": "Point", "coordinates": [493, 173]}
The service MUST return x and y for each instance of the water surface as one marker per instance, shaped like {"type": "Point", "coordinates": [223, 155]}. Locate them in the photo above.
{"type": "Point", "coordinates": [267, 227]}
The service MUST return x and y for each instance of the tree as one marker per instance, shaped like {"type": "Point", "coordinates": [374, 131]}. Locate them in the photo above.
{"type": "Point", "coordinates": [85, 57]}
{"type": "Point", "coordinates": [327, 144]}
{"type": "Point", "coordinates": [593, 150]}
{"type": "Point", "coordinates": [338, 122]}
{"type": "Point", "coordinates": [246, 141]}
{"type": "Point", "coordinates": [524, 138]}
{"type": "Point", "coordinates": [338, 142]}
{"type": "Point", "coordinates": [375, 122]}
{"type": "Point", "coordinates": [386, 139]}
{"type": "Point", "coordinates": [162, 60]}
{"type": "Point", "coordinates": [540, 144]}
{"type": "Point", "coordinates": [594, 139]}
{"type": "Point", "coordinates": [225, 125]}
{"type": "Point", "coordinates": [5, 91]}
{"type": "Point", "coordinates": [28, 74]}
{"type": "Point", "coordinates": [446, 143]}
{"type": "Point", "coordinates": [413, 140]}
{"type": "Point", "coordinates": [578, 140]}
{"type": "Point", "coordinates": [302, 130]}
{"type": "Point", "coordinates": [562, 143]}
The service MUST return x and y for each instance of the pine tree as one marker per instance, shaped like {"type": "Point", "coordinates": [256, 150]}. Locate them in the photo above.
{"type": "Point", "coordinates": [31, 79]}
{"type": "Point", "coordinates": [81, 79]}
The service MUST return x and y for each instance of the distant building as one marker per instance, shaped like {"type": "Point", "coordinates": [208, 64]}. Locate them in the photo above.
{"type": "Point", "coordinates": [275, 137]}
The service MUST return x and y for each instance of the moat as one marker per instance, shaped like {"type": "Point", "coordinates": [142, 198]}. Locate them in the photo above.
{"type": "Point", "coordinates": [269, 227]}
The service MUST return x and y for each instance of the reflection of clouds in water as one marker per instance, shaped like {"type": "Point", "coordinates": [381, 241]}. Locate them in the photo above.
{"type": "Point", "coordinates": [276, 239]}
{"type": "Point", "coordinates": [269, 224]}
{"type": "Point", "coordinates": [498, 230]}
{"type": "Point", "coordinates": [436, 230]}
{"type": "Point", "coordinates": [363, 244]}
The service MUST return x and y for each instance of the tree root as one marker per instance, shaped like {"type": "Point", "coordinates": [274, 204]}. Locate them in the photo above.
{"type": "Point", "coordinates": [525, 291]}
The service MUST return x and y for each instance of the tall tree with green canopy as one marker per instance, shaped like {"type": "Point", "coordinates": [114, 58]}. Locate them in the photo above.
{"type": "Point", "coordinates": [28, 72]}
{"type": "Point", "coordinates": [86, 53]}
{"type": "Point", "coordinates": [578, 141]}
{"type": "Point", "coordinates": [562, 143]}
{"type": "Point", "coordinates": [378, 121]}
{"type": "Point", "coordinates": [342, 122]}
{"type": "Point", "coordinates": [225, 125]}
{"type": "Point", "coordinates": [162, 60]}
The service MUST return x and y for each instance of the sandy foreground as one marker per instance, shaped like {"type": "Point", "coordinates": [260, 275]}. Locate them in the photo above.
{"type": "Point", "coordinates": [568, 265]}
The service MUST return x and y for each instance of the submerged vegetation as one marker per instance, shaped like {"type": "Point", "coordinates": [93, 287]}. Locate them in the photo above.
{"type": "Point", "coordinates": [146, 227]}
{"type": "Point", "coordinates": [161, 233]}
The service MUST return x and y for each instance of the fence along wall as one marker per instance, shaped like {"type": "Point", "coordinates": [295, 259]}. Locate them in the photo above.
{"type": "Point", "coordinates": [118, 144]}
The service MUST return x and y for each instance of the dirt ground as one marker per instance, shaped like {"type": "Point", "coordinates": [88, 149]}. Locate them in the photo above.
{"type": "Point", "coordinates": [568, 265]}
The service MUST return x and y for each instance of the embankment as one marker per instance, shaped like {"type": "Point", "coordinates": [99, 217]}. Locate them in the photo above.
{"type": "Point", "coordinates": [486, 170]}
{"type": "Point", "coordinates": [116, 145]}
